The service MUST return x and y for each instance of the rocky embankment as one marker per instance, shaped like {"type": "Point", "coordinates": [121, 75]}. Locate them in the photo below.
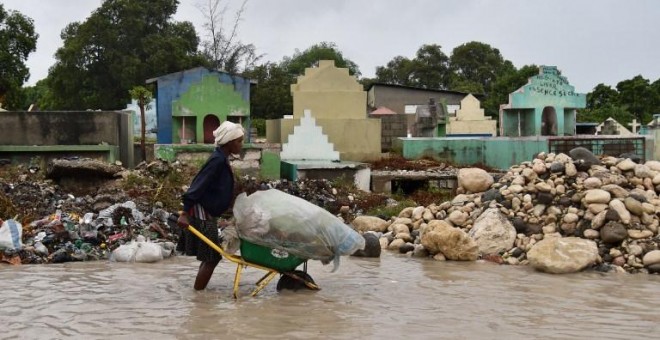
{"type": "Point", "coordinates": [557, 213]}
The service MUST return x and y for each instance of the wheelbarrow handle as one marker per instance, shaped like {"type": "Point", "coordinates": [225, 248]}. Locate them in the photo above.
{"type": "Point", "coordinates": [207, 241]}
{"type": "Point", "coordinates": [173, 219]}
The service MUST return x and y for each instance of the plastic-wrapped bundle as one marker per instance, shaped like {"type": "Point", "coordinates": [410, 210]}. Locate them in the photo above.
{"type": "Point", "coordinates": [275, 219]}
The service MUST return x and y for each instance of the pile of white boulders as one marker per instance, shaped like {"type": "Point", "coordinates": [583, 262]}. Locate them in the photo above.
{"type": "Point", "coordinates": [557, 213]}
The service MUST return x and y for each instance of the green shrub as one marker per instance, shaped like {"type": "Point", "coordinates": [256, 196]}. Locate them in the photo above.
{"type": "Point", "coordinates": [260, 125]}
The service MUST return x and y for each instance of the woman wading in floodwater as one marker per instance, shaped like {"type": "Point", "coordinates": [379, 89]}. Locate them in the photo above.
{"type": "Point", "coordinates": [209, 196]}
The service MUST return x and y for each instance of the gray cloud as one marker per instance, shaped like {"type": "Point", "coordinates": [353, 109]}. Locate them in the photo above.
{"type": "Point", "coordinates": [590, 41]}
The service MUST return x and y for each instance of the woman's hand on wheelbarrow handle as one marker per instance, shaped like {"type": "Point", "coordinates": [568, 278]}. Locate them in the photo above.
{"type": "Point", "coordinates": [180, 218]}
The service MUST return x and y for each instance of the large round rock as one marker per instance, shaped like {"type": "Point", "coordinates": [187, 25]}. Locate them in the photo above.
{"type": "Point", "coordinates": [369, 223]}
{"type": "Point", "coordinates": [559, 255]}
{"type": "Point", "coordinates": [474, 179]}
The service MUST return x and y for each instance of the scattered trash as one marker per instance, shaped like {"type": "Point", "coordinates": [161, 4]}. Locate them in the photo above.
{"type": "Point", "coordinates": [65, 219]}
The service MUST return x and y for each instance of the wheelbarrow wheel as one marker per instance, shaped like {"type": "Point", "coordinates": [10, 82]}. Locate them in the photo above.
{"type": "Point", "coordinates": [294, 280]}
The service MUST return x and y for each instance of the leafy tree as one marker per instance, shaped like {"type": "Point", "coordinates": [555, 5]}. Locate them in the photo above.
{"type": "Point", "coordinates": [398, 71]}
{"type": "Point", "coordinates": [504, 85]}
{"type": "Point", "coordinates": [655, 103]}
{"type": "Point", "coordinates": [602, 95]}
{"type": "Point", "coordinates": [17, 40]}
{"type": "Point", "coordinates": [296, 64]}
{"type": "Point", "coordinates": [38, 95]}
{"type": "Point", "coordinates": [123, 42]}
{"type": "Point", "coordinates": [271, 97]}
{"type": "Point", "coordinates": [221, 48]}
{"type": "Point", "coordinates": [476, 63]}
{"type": "Point", "coordinates": [466, 85]}
{"type": "Point", "coordinates": [637, 96]}
{"type": "Point", "coordinates": [601, 113]}
{"type": "Point", "coordinates": [143, 98]}
{"type": "Point", "coordinates": [429, 69]}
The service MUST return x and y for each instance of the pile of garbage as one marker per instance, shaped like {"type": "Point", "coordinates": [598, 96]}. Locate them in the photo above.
{"type": "Point", "coordinates": [64, 217]}
{"type": "Point", "coordinates": [65, 236]}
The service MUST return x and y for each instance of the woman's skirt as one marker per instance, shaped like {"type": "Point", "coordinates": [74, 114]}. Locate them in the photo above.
{"type": "Point", "coordinates": [192, 245]}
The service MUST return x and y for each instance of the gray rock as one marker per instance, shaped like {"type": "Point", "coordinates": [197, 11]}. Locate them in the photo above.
{"type": "Point", "coordinates": [557, 167]}
{"type": "Point", "coordinates": [612, 215]}
{"type": "Point", "coordinates": [533, 228]}
{"type": "Point", "coordinates": [371, 246]}
{"type": "Point", "coordinates": [638, 197]}
{"type": "Point", "coordinates": [603, 268]}
{"type": "Point", "coordinates": [654, 268]}
{"type": "Point", "coordinates": [613, 232]}
{"type": "Point", "coordinates": [516, 252]}
{"type": "Point", "coordinates": [493, 233]}
{"type": "Point", "coordinates": [492, 194]}
{"type": "Point", "coordinates": [564, 201]}
{"type": "Point", "coordinates": [406, 248]}
{"type": "Point", "coordinates": [633, 205]}
{"type": "Point", "coordinates": [584, 157]}
{"type": "Point", "coordinates": [420, 251]}
{"type": "Point", "coordinates": [633, 157]}
{"type": "Point", "coordinates": [520, 225]}
{"type": "Point", "coordinates": [544, 198]}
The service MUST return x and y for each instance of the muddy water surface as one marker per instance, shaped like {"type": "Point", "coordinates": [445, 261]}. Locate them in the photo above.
{"type": "Point", "coordinates": [385, 298]}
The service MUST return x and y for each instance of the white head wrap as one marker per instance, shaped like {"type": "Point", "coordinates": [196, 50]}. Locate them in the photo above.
{"type": "Point", "coordinates": [227, 132]}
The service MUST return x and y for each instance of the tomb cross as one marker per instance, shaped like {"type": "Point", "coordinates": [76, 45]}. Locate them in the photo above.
{"type": "Point", "coordinates": [634, 125]}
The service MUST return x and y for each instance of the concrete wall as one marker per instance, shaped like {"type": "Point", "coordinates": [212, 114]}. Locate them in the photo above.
{"type": "Point", "coordinates": [137, 153]}
{"type": "Point", "coordinates": [360, 173]}
{"type": "Point", "coordinates": [356, 139]}
{"type": "Point", "coordinates": [497, 152]}
{"type": "Point", "coordinates": [474, 127]}
{"type": "Point", "coordinates": [396, 97]}
{"type": "Point", "coordinates": [274, 130]}
{"type": "Point", "coordinates": [105, 135]}
{"type": "Point", "coordinates": [392, 127]}
{"type": "Point", "coordinates": [59, 128]}
{"type": "Point", "coordinates": [651, 147]}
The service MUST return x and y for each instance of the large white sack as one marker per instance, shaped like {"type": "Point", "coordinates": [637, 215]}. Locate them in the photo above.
{"type": "Point", "coordinates": [11, 233]}
{"type": "Point", "coordinates": [275, 219]}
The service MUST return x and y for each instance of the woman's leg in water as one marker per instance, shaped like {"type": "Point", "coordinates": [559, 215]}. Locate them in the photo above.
{"type": "Point", "coordinates": [204, 274]}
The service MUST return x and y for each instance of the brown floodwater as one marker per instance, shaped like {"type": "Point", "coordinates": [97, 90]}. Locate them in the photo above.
{"type": "Point", "coordinates": [391, 297]}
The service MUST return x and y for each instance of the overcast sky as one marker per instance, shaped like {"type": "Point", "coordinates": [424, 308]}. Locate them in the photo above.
{"type": "Point", "coordinates": [591, 42]}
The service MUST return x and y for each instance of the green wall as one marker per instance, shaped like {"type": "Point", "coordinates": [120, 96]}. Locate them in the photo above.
{"type": "Point", "coordinates": [208, 97]}
{"type": "Point", "coordinates": [270, 165]}
{"type": "Point", "coordinates": [497, 153]}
